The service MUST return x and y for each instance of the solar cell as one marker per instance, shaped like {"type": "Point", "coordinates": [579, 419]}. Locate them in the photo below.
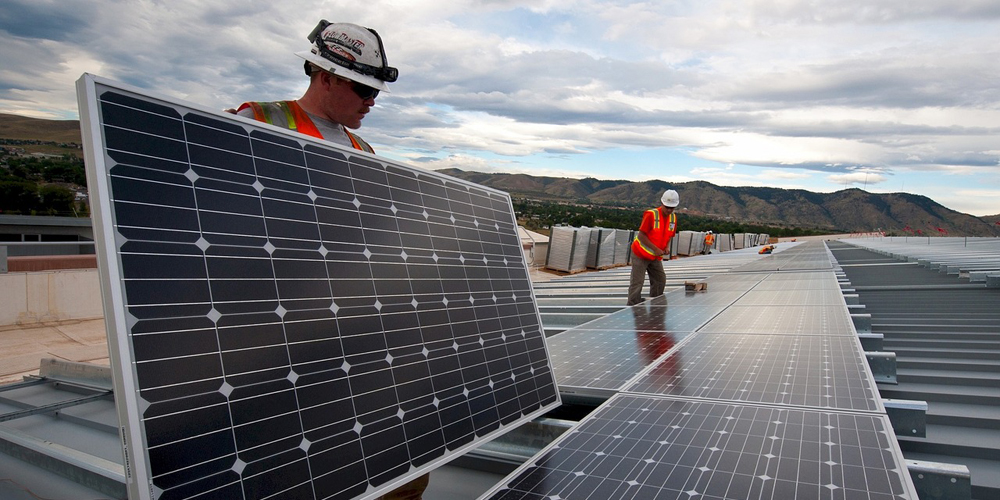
{"type": "Point", "coordinates": [646, 447]}
{"type": "Point", "coordinates": [294, 319]}
{"type": "Point", "coordinates": [816, 371]}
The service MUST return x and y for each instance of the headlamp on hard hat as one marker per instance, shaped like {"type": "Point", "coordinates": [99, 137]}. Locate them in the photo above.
{"type": "Point", "coordinates": [384, 73]}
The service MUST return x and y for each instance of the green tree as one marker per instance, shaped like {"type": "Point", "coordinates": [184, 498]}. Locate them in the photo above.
{"type": "Point", "coordinates": [56, 200]}
{"type": "Point", "coordinates": [18, 196]}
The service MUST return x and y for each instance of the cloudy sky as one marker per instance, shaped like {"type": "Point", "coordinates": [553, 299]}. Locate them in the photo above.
{"type": "Point", "coordinates": [885, 95]}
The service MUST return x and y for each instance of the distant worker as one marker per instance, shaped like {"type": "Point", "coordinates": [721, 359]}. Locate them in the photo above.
{"type": "Point", "coordinates": [766, 249]}
{"type": "Point", "coordinates": [651, 243]}
{"type": "Point", "coordinates": [347, 69]}
{"type": "Point", "coordinates": [709, 243]}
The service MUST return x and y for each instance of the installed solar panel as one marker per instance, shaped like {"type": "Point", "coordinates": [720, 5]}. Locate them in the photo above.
{"type": "Point", "coordinates": [596, 363]}
{"type": "Point", "coordinates": [654, 316]}
{"type": "Point", "coordinates": [719, 297]}
{"type": "Point", "coordinates": [294, 319]}
{"type": "Point", "coordinates": [817, 371]}
{"type": "Point", "coordinates": [792, 320]}
{"type": "Point", "coordinates": [645, 447]}
{"type": "Point", "coordinates": [807, 297]}
{"type": "Point", "coordinates": [823, 276]}
{"type": "Point", "coordinates": [797, 285]}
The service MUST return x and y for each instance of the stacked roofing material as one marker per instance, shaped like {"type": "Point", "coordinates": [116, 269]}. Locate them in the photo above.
{"type": "Point", "coordinates": [738, 241]}
{"type": "Point", "coordinates": [601, 250]}
{"type": "Point", "coordinates": [568, 249]}
{"type": "Point", "coordinates": [690, 243]}
{"type": "Point", "coordinates": [623, 247]}
{"type": "Point", "coordinates": [577, 249]}
{"type": "Point", "coordinates": [724, 242]}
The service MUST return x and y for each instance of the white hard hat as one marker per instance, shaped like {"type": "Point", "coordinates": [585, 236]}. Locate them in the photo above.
{"type": "Point", "coordinates": [350, 51]}
{"type": "Point", "coordinates": [670, 198]}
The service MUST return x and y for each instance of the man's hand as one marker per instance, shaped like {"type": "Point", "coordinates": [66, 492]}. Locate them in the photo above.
{"type": "Point", "coordinates": [658, 252]}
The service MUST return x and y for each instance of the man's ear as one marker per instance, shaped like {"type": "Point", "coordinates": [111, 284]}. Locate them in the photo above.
{"type": "Point", "coordinates": [329, 81]}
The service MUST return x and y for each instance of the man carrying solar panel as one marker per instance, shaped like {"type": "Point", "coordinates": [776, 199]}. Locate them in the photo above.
{"type": "Point", "coordinates": [347, 69]}
{"type": "Point", "coordinates": [651, 243]}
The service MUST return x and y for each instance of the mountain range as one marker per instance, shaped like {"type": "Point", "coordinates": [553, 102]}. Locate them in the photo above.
{"type": "Point", "coordinates": [849, 210]}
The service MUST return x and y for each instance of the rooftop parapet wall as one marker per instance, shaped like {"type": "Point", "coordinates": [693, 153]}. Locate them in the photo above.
{"type": "Point", "coordinates": [38, 297]}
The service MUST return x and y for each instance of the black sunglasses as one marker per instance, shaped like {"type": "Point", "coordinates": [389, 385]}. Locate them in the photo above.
{"type": "Point", "coordinates": [364, 92]}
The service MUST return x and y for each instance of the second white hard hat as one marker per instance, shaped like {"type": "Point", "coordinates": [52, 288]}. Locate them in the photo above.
{"type": "Point", "coordinates": [670, 198]}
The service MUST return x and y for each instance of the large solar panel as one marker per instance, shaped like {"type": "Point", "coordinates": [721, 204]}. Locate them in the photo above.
{"type": "Point", "coordinates": [293, 319]}
{"type": "Point", "coordinates": [816, 371]}
{"type": "Point", "coordinates": [648, 447]}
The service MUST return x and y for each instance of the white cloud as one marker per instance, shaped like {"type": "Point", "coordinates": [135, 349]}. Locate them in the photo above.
{"type": "Point", "coordinates": [979, 202]}
{"type": "Point", "coordinates": [857, 178]}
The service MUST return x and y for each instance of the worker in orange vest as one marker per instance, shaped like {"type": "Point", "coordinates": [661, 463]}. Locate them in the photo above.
{"type": "Point", "coordinates": [650, 245]}
{"type": "Point", "coordinates": [709, 242]}
{"type": "Point", "coordinates": [347, 69]}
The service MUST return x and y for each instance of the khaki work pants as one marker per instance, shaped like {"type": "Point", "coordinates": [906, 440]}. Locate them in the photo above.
{"type": "Point", "coordinates": [657, 279]}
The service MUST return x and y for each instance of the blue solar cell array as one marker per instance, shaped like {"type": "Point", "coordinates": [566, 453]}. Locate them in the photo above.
{"type": "Point", "coordinates": [769, 398]}
{"type": "Point", "coordinates": [294, 319]}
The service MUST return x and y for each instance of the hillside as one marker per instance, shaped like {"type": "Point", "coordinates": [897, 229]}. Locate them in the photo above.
{"type": "Point", "coordinates": [23, 127]}
{"type": "Point", "coordinates": [849, 210]}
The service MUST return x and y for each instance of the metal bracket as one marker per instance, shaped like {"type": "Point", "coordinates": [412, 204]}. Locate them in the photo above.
{"type": "Point", "coordinates": [862, 322]}
{"type": "Point", "coordinates": [852, 299]}
{"type": "Point", "coordinates": [993, 281]}
{"type": "Point", "coordinates": [909, 418]}
{"type": "Point", "coordinates": [871, 341]}
{"type": "Point", "coordinates": [940, 481]}
{"type": "Point", "coordinates": [883, 366]}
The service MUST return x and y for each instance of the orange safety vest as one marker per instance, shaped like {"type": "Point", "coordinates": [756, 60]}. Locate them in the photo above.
{"type": "Point", "coordinates": [709, 239]}
{"type": "Point", "coordinates": [658, 235]}
{"type": "Point", "coordinates": [297, 120]}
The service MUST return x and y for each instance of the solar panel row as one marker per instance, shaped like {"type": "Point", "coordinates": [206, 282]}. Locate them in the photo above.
{"type": "Point", "coordinates": [770, 397]}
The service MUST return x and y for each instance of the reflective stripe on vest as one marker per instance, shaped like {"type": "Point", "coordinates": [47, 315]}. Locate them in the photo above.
{"type": "Point", "coordinates": [297, 120]}
{"type": "Point", "coordinates": [657, 233]}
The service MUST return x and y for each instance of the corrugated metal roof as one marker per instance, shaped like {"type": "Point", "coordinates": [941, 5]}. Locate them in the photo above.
{"type": "Point", "coordinates": [945, 331]}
